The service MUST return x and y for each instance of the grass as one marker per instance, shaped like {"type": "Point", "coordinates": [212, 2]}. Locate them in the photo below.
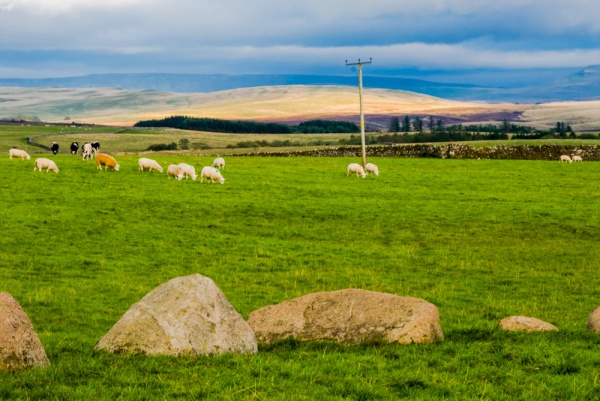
{"type": "Point", "coordinates": [16, 135]}
{"type": "Point", "coordinates": [139, 140]}
{"type": "Point", "coordinates": [481, 239]}
{"type": "Point", "coordinates": [538, 142]}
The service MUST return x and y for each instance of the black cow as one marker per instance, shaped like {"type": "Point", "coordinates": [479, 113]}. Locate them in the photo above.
{"type": "Point", "coordinates": [74, 148]}
{"type": "Point", "coordinates": [54, 147]}
{"type": "Point", "coordinates": [96, 147]}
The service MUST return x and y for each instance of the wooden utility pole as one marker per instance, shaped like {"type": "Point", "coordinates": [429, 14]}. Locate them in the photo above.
{"type": "Point", "coordinates": [362, 116]}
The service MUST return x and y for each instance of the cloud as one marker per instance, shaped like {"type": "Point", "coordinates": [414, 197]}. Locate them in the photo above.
{"type": "Point", "coordinates": [307, 35]}
{"type": "Point", "coordinates": [309, 22]}
{"type": "Point", "coordinates": [433, 56]}
{"type": "Point", "coordinates": [54, 8]}
{"type": "Point", "coordinates": [6, 6]}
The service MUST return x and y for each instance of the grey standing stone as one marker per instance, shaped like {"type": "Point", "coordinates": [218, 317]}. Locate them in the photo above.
{"type": "Point", "coordinates": [184, 316]}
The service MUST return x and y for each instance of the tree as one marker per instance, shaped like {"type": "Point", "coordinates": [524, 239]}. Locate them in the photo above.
{"type": "Point", "coordinates": [505, 126]}
{"type": "Point", "coordinates": [431, 124]}
{"type": "Point", "coordinates": [560, 129]}
{"type": "Point", "coordinates": [184, 143]}
{"type": "Point", "coordinates": [418, 124]}
{"type": "Point", "coordinates": [406, 124]}
{"type": "Point", "coordinates": [394, 124]}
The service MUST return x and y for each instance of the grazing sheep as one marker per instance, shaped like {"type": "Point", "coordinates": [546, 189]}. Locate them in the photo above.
{"type": "Point", "coordinates": [14, 152]}
{"type": "Point", "coordinates": [149, 164]}
{"type": "Point", "coordinates": [87, 151]}
{"type": "Point", "coordinates": [356, 168]}
{"type": "Point", "coordinates": [211, 173]}
{"type": "Point", "coordinates": [371, 168]}
{"type": "Point", "coordinates": [565, 158]}
{"type": "Point", "coordinates": [106, 160]}
{"type": "Point", "coordinates": [219, 162]}
{"type": "Point", "coordinates": [175, 171]}
{"type": "Point", "coordinates": [576, 158]}
{"type": "Point", "coordinates": [42, 163]}
{"type": "Point", "coordinates": [188, 171]}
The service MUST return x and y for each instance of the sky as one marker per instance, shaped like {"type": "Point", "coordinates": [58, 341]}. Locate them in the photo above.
{"type": "Point", "coordinates": [483, 42]}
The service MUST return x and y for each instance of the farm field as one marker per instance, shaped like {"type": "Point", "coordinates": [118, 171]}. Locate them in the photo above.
{"type": "Point", "coordinates": [139, 141]}
{"type": "Point", "coordinates": [115, 140]}
{"type": "Point", "coordinates": [481, 239]}
{"type": "Point", "coordinates": [16, 136]}
{"type": "Point", "coordinates": [280, 103]}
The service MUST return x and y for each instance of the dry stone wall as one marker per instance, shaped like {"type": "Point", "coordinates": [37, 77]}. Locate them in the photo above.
{"type": "Point", "coordinates": [449, 151]}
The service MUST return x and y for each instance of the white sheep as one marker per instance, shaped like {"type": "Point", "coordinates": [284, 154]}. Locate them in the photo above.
{"type": "Point", "coordinates": [87, 152]}
{"type": "Point", "coordinates": [576, 158]}
{"type": "Point", "coordinates": [174, 171]}
{"type": "Point", "coordinates": [356, 168]}
{"type": "Point", "coordinates": [188, 171]}
{"type": "Point", "coordinates": [42, 163]}
{"type": "Point", "coordinates": [372, 168]}
{"type": "Point", "coordinates": [211, 173]}
{"type": "Point", "coordinates": [565, 158]}
{"type": "Point", "coordinates": [149, 164]}
{"type": "Point", "coordinates": [219, 162]}
{"type": "Point", "coordinates": [18, 153]}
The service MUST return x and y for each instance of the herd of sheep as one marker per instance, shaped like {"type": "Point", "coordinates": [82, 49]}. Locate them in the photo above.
{"type": "Point", "coordinates": [178, 171]}
{"type": "Point", "coordinates": [355, 168]}
{"type": "Point", "coordinates": [570, 159]}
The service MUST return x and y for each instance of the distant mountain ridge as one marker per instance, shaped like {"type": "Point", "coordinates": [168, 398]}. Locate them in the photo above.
{"type": "Point", "coordinates": [203, 83]}
{"type": "Point", "coordinates": [583, 85]}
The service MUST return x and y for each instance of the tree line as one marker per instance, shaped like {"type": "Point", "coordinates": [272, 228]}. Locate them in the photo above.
{"type": "Point", "coordinates": [417, 124]}
{"type": "Point", "coordinates": [424, 137]}
{"type": "Point", "coordinates": [439, 132]}
{"type": "Point", "coordinates": [250, 127]}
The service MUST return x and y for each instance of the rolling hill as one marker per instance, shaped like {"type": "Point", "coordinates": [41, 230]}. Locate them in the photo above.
{"type": "Point", "coordinates": [204, 83]}
{"type": "Point", "coordinates": [272, 103]}
{"type": "Point", "coordinates": [583, 85]}
{"type": "Point", "coordinates": [279, 103]}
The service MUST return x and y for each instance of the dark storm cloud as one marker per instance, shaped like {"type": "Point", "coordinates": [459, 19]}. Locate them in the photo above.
{"type": "Point", "coordinates": [308, 35]}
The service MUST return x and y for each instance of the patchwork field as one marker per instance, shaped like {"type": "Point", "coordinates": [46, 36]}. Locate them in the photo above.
{"type": "Point", "coordinates": [114, 140]}
{"type": "Point", "coordinates": [480, 239]}
{"type": "Point", "coordinates": [280, 103]}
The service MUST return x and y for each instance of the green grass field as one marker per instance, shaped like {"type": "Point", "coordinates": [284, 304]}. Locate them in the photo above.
{"type": "Point", "coordinates": [113, 139]}
{"type": "Point", "coordinates": [481, 239]}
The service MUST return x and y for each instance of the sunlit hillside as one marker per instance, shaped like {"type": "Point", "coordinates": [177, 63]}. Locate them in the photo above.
{"type": "Point", "coordinates": [278, 103]}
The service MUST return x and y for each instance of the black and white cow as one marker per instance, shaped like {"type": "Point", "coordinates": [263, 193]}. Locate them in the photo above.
{"type": "Point", "coordinates": [54, 147]}
{"type": "Point", "coordinates": [74, 148]}
{"type": "Point", "coordinates": [96, 147]}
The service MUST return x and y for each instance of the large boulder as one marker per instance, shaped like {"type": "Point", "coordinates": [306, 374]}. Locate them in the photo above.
{"type": "Point", "coordinates": [524, 323]}
{"type": "Point", "coordinates": [20, 346]}
{"type": "Point", "coordinates": [349, 316]}
{"type": "Point", "coordinates": [593, 322]}
{"type": "Point", "coordinates": [185, 316]}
